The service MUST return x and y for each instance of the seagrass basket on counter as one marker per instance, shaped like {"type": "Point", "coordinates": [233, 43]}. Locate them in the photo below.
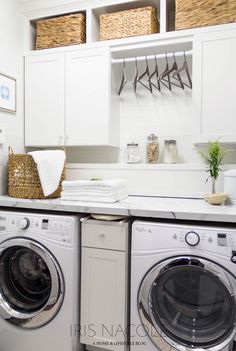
{"type": "Point", "coordinates": [23, 178]}
{"type": "Point", "coordinates": [61, 31]}
{"type": "Point", "coordinates": [200, 13]}
{"type": "Point", "coordinates": [128, 23]}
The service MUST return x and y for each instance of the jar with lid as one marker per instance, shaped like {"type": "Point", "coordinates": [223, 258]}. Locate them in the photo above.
{"type": "Point", "coordinates": [170, 151]}
{"type": "Point", "coordinates": [132, 153]}
{"type": "Point", "coordinates": [152, 149]}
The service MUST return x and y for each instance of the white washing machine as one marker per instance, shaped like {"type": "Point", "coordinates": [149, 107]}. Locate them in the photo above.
{"type": "Point", "coordinates": [183, 287]}
{"type": "Point", "coordinates": [39, 282]}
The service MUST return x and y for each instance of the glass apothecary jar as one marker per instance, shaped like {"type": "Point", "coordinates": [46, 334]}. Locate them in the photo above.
{"type": "Point", "coordinates": [132, 153]}
{"type": "Point", "coordinates": [152, 149]}
{"type": "Point", "coordinates": [170, 151]}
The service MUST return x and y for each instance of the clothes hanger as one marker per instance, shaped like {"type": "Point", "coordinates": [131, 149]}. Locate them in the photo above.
{"type": "Point", "coordinates": [186, 69]}
{"type": "Point", "coordinates": [123, 79]}
{"type": "Point", "coordinates": [164, 74]}
{"type": "Point", "coordinates": [174, 69]}
{"type": "Point", "coordinates": [155, 73]}
{"type": "Point", "coordinates": [146, 73]}
{"type": "Point", "coordinates": [135, 80]}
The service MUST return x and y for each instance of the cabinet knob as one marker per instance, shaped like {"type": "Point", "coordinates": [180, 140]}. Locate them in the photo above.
{"type": "Point", "coordinates": [102, 236]}
{"type": "Point", "coordinates": [66, 138]}
{"type": "Point", "coordinates": [60, 139]}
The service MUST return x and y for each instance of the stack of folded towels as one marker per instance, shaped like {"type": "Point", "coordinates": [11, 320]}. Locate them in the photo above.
{"type": "Point", "coordinates": [107, 190]}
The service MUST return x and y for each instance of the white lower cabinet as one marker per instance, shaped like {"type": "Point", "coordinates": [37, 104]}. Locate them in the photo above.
{"type": "Point", "coordinates": [104, 285]}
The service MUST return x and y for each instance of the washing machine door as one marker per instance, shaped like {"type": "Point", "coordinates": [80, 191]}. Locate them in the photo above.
{"type": "Point", "coordinates": [188, 303]}
{"type": "Point", "coordinates": [31, 283]}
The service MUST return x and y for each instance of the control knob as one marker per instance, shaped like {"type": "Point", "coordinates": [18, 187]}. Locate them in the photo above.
{"type": "Point", "coordinates": [192, 238]}
{"type": "Point", "coordinates": [24, 223]}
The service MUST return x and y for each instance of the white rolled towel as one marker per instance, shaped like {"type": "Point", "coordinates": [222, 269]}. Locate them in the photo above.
{"type": "Point", "coordinates": [50, 165]}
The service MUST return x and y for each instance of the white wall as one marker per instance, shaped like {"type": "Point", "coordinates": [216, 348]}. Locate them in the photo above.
{"type": "Point", "coordinates": [11, 63]}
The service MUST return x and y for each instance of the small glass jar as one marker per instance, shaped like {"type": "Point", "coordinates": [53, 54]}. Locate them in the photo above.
{"type": "Point", "coordinates": [152, 149]}
{"type": "Point", "coordinates": [132, 153]}
{"type": "Point", "coordinates": [170, 151]}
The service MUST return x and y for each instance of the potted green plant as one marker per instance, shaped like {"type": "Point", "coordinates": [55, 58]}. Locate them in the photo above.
{"type": "Point", "coordinates": [214, 158]}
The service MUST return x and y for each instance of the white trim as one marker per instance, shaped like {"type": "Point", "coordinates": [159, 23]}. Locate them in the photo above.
{"type": "Point", "coordinates": [144, 166]}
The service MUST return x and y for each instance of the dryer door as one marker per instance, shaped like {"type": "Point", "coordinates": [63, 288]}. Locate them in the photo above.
{"type": "Point", "coordinates": [31, 283]}
{"type": "Point", "coordinates": [188, 303]}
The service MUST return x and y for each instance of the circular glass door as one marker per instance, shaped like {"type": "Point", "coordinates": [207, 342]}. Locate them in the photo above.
{"type": "Point", "coordinates": [30, 283]}
{"type": "Point", "coordinates": [190, 302]}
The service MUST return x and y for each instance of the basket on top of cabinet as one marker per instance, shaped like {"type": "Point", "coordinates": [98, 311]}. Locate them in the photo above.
{"type": "Point", "coordinates": [61, 31]}
{"type": "Point", "coordinates": [128, 23]}
{"type": "Point", "coordinates": [200, 13]}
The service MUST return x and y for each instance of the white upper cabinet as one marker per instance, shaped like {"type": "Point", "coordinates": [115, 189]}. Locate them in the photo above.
{"type": "Point", "coordinates": [88, 96]}
{"type": "Point", "coordinates": [68, 99]}
{"type": "Point", "coordinates": [44, 100]}
{"type": "Point", "coordinates": [214, 78]}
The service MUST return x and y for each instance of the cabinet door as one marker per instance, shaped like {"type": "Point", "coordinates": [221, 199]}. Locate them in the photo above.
{"type": "Point", "coordinates": [87, 97]}
{"type": "Point", "coordinates": [44, 100]}
{"type": "Point", "coordinates": [214, 79]}
{"type": "Point", "coordinates": [103, 298]}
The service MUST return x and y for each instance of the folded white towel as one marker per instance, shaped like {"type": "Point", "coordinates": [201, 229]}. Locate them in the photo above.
{"type": "Point", "coordinates": [106, 199]}
{"type": "Point", "coordinates": [93, 193]}
{"type": "Point", "coordinates": [98, 184]}
{"type": "Point", "coordinates": [50, 165]}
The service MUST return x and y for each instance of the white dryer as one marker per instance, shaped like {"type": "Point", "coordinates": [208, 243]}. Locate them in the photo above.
{"type": "Point", "coordinates": [39, 282]}
{"type": "Point", "coordinates": [183, 287]}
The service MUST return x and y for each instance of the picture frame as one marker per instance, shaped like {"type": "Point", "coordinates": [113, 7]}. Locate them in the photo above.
{"type": "Point", "coordinates": [7, 93]}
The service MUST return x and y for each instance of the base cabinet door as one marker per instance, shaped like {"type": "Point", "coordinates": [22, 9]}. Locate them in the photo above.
{"type": "Point", "coordinates": [44, 100]}
{"type": "Point", "coordinates": [103, 298]}
{"type": "Point", "coordinates": [214, 77]}
{"type": "Point", "coordinates": [87, 97]}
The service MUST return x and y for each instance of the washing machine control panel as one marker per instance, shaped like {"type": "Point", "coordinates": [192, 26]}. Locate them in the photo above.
{"type": "Point", "coordinates": [55, 228]}
{"type": "Point", "coordinates": [24, 223]}
{"type": "Point", "coordinates": [192, 238]}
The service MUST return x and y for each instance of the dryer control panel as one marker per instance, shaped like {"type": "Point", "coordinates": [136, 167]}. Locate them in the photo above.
{"type": "Point", "coordinates": [56, 228]}
{"type": "Point", "coordinates": [158, 236]}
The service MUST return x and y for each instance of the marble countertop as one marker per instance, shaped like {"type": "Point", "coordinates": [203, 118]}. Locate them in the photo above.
{"type": "Point", "coordinates": [153, 207]}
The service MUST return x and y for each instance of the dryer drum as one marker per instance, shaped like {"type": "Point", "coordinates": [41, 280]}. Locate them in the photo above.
{"type": "Point", "coordinates": [188, 302]}
{"type": "Point", "coordinates": [31, 283]}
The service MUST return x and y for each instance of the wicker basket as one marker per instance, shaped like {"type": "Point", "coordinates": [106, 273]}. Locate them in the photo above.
{"type": "Point", "coordinates": [141, 21]}
{"type": "Point", "coordinates": [200, 13]}
{"type": "Point", "coordinates": [23, 178]}
{"type": "Point", "coordinates": [61, 31]}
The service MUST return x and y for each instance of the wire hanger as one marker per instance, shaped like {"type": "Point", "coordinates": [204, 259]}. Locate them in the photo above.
{"type": "Point", "coordinates": [135, 80]}
{"type": "Point", "coordinates": [186, 69]}
{"type": "Point", "coordinates": [174, 69]}
{"type": "Point", "coordinates": [123, 79]}
{"type": "Point", "coordinates": [155, 73]}
{"type": "Point", "coordinates": [146, 73]}
{"type": "Point", "coordinates": [166, 74]}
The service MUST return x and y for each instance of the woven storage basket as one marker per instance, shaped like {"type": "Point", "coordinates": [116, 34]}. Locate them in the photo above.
{"type": "Point", "coordinates": [23, 178]}
{"type": "Point", "coordinates": [61, 31]}
{"type": "Point", "coordinates": [141, 21]}
{"type": "Point", "coordinates": [200, 13]}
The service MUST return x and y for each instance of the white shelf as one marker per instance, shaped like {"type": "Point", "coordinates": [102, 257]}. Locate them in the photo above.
{"type": "Point", "coordinates": [204, 140]}
{"type": "Point", "coordinates": [165, 10]}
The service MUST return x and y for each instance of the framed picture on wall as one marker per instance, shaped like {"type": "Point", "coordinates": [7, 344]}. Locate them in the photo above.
{"type": "Point", "coordinates": [7, 93]}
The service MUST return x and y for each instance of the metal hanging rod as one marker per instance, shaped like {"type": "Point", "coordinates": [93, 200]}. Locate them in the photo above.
{"type": "Point", "coordinates": [143, 58]}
